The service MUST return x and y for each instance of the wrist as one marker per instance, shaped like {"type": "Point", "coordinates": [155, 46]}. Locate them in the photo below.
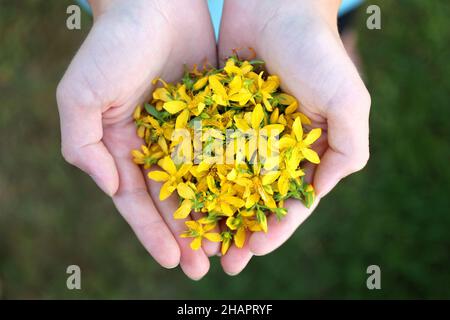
{"type": "Point", "coordinates": [134, 7]}
{"type": "Point", "coordinates": [326, 9]}
{"type": "Point", "coordinates": [318, 12]}
{"type": "Point", "coordinates": [99, 6]}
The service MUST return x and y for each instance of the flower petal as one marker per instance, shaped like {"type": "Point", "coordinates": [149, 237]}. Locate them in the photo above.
{"type": "Point", "coordinates": [312, 136]}
{"type": "Point", "coordinates": [203, 166]}
{"type": "Point", "coordinates": [235, 85]}
{"type": "Point", "coordinates": [234, 201]}
{"type": "Point", "coordinates": [174, 106]}
{"type": "Point", "coordinates": [270, 178]}
{"type": "Point", "coordinates": [225, 245]}
{"type": "Point", "coordinates": [196, 243]}
{"type": "Point", "coordinates": [241, 124]}
{"type": "Point", "coordinates": [200, 83]}
{"type": "Point", "coordinates": [193, 225]}
{"type": "Point", "coordinates": [185, 192]}
{"type": "Point", "coordinates": [285, 99]}
{"type": "Point", "coordinates": [298, 130]}
{"type": "Point", "coordinates": [158, 176]}
{"type": "Point", "coordinates": [251, 200]}
{"type": "Point", "coordinates": [161, 94]}
{"type": "Point", "coordinates": [239, 237]}
{"type": "Point", "coordinates": [182, 119]}
{"type": "Point", "coordinates": [226, 209]}
{"type": "Point", "coordinates": [213, 236]}
{"type": "Point", "coordinates": [166, 190]}
{"type": "Point", "coordinates": [283, 184]}
{"type": "Point", "coordinates": [212, 184]}
{"type": "Point", "coordinates": [286, 142]}
{"type": "Point", "coordinates": [291, 108]}
{"type": "Point", "coordinates": [217, 87]}
{"type": "Point", "coordinates": [311, 155]}
{"type": "Point", "coordinates": [184, 210]}
{"type": "Point", "coordinates": [257, 116]}
{"type": "Point", "coordinates": [183, 170]}
{"type": "Point", "coordinates": [168, 165]}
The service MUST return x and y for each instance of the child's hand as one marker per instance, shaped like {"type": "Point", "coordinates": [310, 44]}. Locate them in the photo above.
{"type": "Point", "coordinates": [300, 43]}
{"type": "Point", "coordinates": [131, 43]}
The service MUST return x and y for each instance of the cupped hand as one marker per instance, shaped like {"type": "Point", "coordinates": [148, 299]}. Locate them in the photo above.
{"type": "Point", "coordinates": [300, 43]}
{"type": "Point", "coordinates": [131, 43]}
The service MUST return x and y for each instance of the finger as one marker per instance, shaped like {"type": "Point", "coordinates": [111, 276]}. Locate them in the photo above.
{"type": "Point", "coordinates": [81, 137]}
{"type": "Point", "coordinates": [195, 263]}
{"type": "Point", "coordinates": [348, 140]}
{"type": "Point", "coordinates": [135, 204]}
{"type": "Point", "coordinates": [236, 259]}
{"type": "Point", "coordinates": [280, 230]}
{"type": "Point", "coordinates": [209, 247]}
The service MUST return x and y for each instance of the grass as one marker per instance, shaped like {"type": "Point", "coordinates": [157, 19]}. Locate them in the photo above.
{"type": "Point", "coordinates": [394, 214]}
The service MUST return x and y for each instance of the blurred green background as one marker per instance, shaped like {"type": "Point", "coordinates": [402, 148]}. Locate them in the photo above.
{"type": "Point", "coordinates": [395, 213]}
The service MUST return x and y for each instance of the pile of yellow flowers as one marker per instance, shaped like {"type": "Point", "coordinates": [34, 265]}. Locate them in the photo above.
{"type": "Point", "coordinates": [232, 145]}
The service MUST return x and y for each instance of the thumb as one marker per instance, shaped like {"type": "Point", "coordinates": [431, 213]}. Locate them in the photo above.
{"type": "Point", "coordinates": [348, 137]}
{"type": "Point", "coordinates": [81, 96]}
{"type": "Point", "coordinates": [81, 137]}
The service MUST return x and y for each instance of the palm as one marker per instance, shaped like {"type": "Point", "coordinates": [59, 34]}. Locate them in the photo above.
{"type": "Point", "coordinates": [313, 66]}
{"type": "Point", "coordinates": [127, 48]}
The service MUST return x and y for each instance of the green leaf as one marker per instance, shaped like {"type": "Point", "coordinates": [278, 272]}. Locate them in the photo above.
{"type": "Point", "coordinates": [309, 199]}
{"type": "Point", "coordinates": [256, 62]}
{"type": "Point", "coordinates": [161, 116]}
{"type": "Point", "coordinates": [227, 235]}
{"type": "Point", "coordinates": [260, 216]}
{"type": "Point", "coordinates": [153, 112]}
{"type": "Point", "coordinates": [188, 81]}
{"type": "Point", "coordinates": [280, 213]}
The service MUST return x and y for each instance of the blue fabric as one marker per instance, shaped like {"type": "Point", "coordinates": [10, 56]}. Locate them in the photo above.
{"type": "Point", "coordinates": [348, 5]}
{"type": "Point", "coordinates": [215, 9]}
{"type": "Point", "coordinates": [85, 5]}
{"type": "Point", "coordinates": [216, 6]}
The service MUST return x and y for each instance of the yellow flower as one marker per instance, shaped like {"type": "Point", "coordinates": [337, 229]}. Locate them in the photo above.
{"type": "Point", "coordinates": [188, 194]}
{"type": "Point", "coordinates": [226, 242]}
{"type": "Point", "coordinates": [231, 68]}
{"type": "Point", "coordinates": [241, 223]}
{"type": "Point", "coordinates": [171, 176]}
{"type": "Point", "coordinates": [200, 83]}
{"type": "Point", "coordinates": [199, 232]}
{"type": "Point", "coordinates": [254, 126]}
{"type": "Point", "coordinates": [143, 128]}
{"type": "Point", "coordinates": [207, 171]}
{"type": "Point", "coordinates": [237, 196]}
{"type": "Point", "coordinates": [147, 157]}
{"type": "Point", "coordinates": [154, 132]}
{"type": "Point", "coordinates": [301, 145]}
{"type": "Point", "coordinates": [266, 88]}
{"type": "Point", "coordinates": [256, 186]}
{"type": "Point", "coordinates": [224, 200]}
{"type": "Point", "coordinates": [262, 189]}
{"type": "Point", "coordinates": [197, 104]}
{"type": "Point", "coordinates": [161, 94]}
{"type": "Point", "coordinates": [220, 121]}
{"type": "Point", "coordinates": [285, 178]}
{"type": "Point", "coordinates": [238, 92]}
{"type": "Point", "coordinates": [174, 106]}
{"type": "Point", "coordinates": [220, 95]}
